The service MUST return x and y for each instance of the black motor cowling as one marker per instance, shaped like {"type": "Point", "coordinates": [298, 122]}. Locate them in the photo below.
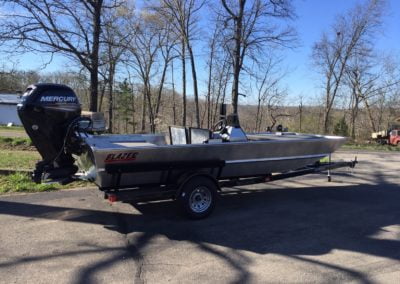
{"type": "Point", "coordinates": [47, 112]}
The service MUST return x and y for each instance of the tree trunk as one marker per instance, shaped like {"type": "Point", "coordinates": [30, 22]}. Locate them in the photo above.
{"type": "Point", "coordinates": [183, 83]}
{"type": "Point", "coordinates": [194, 77]}
{"type": "Point", "coordinates": [237, 56]}
{"type": "Point", "coordinates": [94, 80]}
{"type": "Point", "coordinates": [160, 88]}
{"type": "Point", "coordinates": [133, 111]}
{"type": "Point", "coordinates": [150, 106]}
{"type": "Point", "coordinates": [354, 109]}
{"type": "Point", "coordinates": [102, 92]}
{"type": "Point", "coordinates": [257, 123]}
{"type": "Point", "coordinates": [110, 98]}
{"type": "Point", "coordinates": [300, 115]}
{"type": "Point", "coordinates": [327, 108]}
{"type": "Point", "coordinates": [143, 128]}
{"type": "Point", "coordinates": [371, 119]}
{"type": "Point", "coordinates": [173, 93]}
{"type": "Point", "coordinates": [209, 83]}
{"type": "Point", "coordinates": [326, 121]}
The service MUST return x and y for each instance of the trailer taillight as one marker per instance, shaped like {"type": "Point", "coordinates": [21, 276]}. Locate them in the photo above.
{"type": "Point", "coordinates": [112, 198]}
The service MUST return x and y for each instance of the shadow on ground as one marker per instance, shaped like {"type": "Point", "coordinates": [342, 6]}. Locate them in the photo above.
{"type": "Point", "coordinates": [291, 222]}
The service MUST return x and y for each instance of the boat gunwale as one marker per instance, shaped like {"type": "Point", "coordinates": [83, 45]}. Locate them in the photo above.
{"type": "Point", "coordinates": [249, 141]}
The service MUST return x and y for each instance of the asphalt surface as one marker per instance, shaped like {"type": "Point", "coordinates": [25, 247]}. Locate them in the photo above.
{"type": "Point", "coordinates": [302, 230]}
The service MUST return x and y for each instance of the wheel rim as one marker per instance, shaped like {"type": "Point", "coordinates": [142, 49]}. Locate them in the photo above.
{"type": "Point", "coordinates": [200, 199]}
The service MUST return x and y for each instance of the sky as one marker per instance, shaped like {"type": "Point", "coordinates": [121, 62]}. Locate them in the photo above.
{"type": "Point", "coordinates": [313, 18]}
{"type": "Point", "coordinates": [317, 16]}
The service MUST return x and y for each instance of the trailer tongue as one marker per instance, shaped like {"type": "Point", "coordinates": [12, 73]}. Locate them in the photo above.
{"type": "Point", "coordinates": [191, 167]}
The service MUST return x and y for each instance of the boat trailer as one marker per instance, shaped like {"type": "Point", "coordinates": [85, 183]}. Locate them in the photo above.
{"type": "Point", "coordinates": [196, 190]}
{"type": "Point", "coordinates": [191, 168]}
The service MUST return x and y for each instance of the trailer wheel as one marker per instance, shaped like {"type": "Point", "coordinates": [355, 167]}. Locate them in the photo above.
{"type": "Point", "coordinates": [197, 197]}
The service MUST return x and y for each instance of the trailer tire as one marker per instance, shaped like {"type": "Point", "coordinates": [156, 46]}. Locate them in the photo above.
{"type": "Point", "coordinates": [197, 196]}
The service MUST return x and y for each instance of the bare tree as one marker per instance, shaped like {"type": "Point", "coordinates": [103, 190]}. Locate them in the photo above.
{"type": "Point", "coordinates": [13, 80]}
{"type": "Point", "coordinates": [360, 81]}
{"type": "Point", "coordinates": [370, 80]}
{"type": "Point", "coordinates": [152, 48]}
{"type": "Point", "coordinates": [267, 84]}
{"type": "Point", "coordinates": [167, 42]}
{"type": "Point", "coordinates": [183, 16]}
{"type": "Point", "coordinates": [249, 32]}
{"type": "Point", "coordinates": [352, 33]}
{"type": "Point", "coordinates": [144, 47]}
{"type": "Point", "coordinates": [214, 49]}
{"type": "Point", "coordinates": [115, 32]}
{"type": "Point", "coordinates": [69, 27]}
{"type": "Point", "coordinates": [274, 104]}
{"type": "Point", "coordinates": [221, 76]}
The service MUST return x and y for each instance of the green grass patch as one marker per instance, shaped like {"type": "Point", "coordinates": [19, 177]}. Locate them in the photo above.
{"type": "Point", "coordinates": [15, 141]}
{"type": "Point", "coordinates": [18, 160]}
{"type": "Point", "coordinates": [12, 128]}
{"type": "Point", "coordinates": [21, 182]}
{"type": "Point", "coordinates": [371, 147]}
{"type": "Point", "coordinates": [324, 160]}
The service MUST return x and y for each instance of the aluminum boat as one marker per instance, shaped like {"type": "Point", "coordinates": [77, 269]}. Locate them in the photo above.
{"type": "Point", "coordinates": [149, 159]}
{"type": "Point", "coordinates": [188, 164]}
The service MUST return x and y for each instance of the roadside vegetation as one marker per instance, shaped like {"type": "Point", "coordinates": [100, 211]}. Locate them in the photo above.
{"type": "Point", "coordinates": [21, 182]}
{"type": "Point", "coordinates": [370, 147]}
{"type": "Point", "coordinates": [12, 128]}
{"type": "Point", "coordinates": [17, 159]}
{"type": "Point", "coordinates": [16, 143]}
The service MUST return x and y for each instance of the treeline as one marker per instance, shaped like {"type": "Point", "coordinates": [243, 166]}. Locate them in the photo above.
{"type": "Point", "coordinates": [174, 61]}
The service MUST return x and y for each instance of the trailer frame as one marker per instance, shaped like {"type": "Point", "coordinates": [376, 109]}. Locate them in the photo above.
{"type": "Point", "coordinates": [179, 189]}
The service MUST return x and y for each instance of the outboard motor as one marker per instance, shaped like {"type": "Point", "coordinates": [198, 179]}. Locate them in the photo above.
{"type": "Point", "coordinates": [48, 112]}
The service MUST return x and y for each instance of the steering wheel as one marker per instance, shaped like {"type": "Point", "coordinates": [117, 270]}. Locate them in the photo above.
{"type": "Point", "coordinates": [219, 125]}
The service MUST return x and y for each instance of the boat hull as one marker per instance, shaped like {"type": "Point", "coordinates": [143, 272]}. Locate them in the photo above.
{"type": "Point", "coordinates": [262, 154]}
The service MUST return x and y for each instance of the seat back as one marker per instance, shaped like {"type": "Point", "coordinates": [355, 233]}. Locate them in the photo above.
{"type": "Point", "coordinates": [199, 135]}
{"type": "Point", "coordinates": [178, 135]}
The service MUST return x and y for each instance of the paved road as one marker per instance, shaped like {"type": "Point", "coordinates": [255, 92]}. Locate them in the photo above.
{"type": "Point", "coordinates": [303, 230]}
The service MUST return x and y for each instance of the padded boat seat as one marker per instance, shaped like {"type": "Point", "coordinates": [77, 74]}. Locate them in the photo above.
{"type": "Point", "coordinates": [178, 135]}
{"type": "Point", "coordinates": [181, 135]}
{"type": "Point", "coordinates": [199, 135]}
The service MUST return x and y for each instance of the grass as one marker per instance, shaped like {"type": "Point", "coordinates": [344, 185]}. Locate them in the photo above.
{"type": "Point", "coordinates": [18, 160]}
{"type": "Point", "coordinates": [12, 128]}
{"type": "Point", "coordinates": [21, 182]}
{"type": "Point", "coordinates": [18, 154]}
{"type": "Point", "coordinates": [324, 160]}
{"type": "Point", "coordinates": [15, 141]}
